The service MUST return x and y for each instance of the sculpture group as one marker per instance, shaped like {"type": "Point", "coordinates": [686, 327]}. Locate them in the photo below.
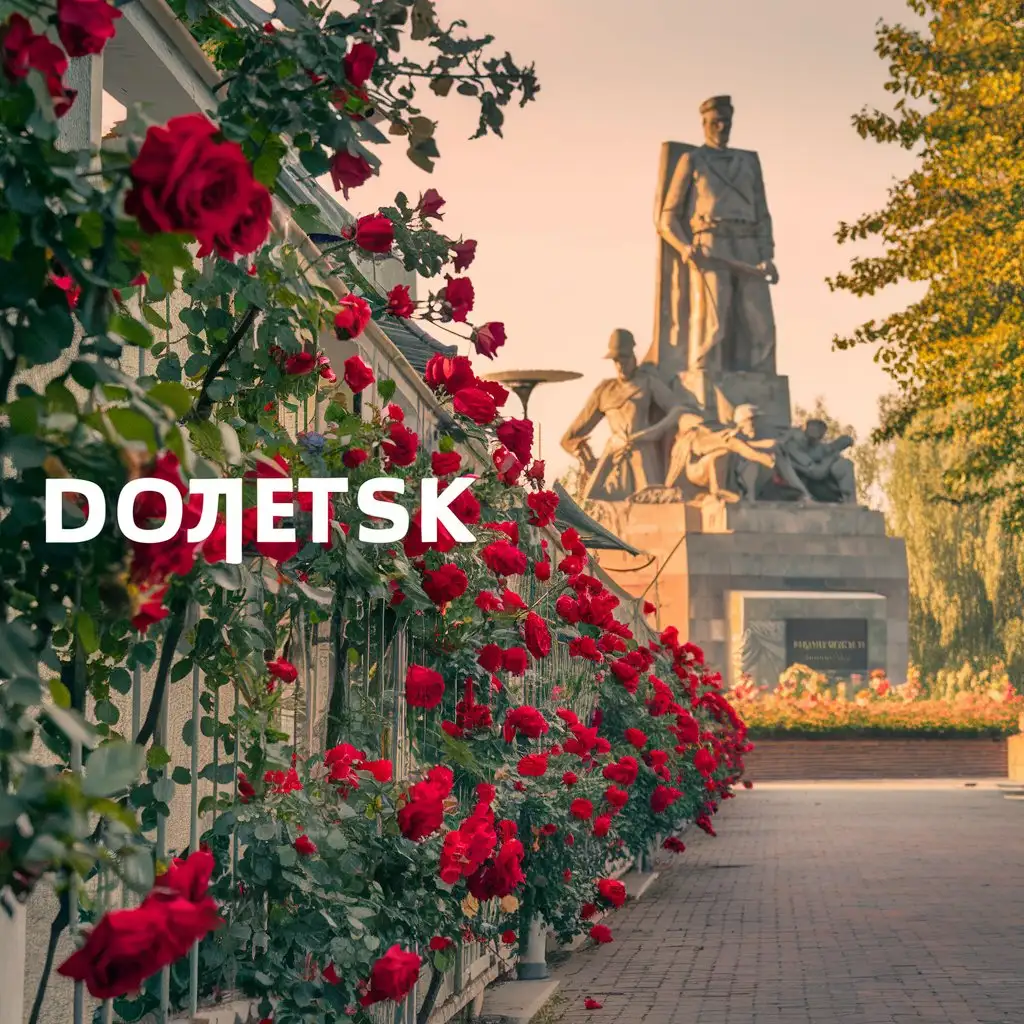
{"type": "Point", "coordinates": [718, 328]}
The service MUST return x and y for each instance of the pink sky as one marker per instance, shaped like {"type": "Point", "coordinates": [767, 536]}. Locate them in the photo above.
{"type": "Point", "coordinates": [563, 205]}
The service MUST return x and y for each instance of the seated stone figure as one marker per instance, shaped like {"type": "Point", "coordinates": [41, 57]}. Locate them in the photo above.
{"type": "Point", "coordinates": [819, 464]}
{"type": "Point", "coordinates": [770, 479]}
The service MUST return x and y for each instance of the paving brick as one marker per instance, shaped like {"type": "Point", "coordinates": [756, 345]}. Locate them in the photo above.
{"type": "Point", "coordinates": [824, 906]}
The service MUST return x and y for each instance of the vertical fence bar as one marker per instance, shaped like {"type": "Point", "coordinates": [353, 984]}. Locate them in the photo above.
{"type": "Point", "coordinates": [193, 839]}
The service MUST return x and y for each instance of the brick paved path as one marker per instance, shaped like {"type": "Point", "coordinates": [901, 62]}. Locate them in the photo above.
{"type": "Point", "coordinates": [823, 906]}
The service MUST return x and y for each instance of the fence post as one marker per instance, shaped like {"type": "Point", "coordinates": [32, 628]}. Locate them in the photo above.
{"type": "Point", "coordinates": [12, 964]}
{"type": "Point", "coordinates": [533, 962]}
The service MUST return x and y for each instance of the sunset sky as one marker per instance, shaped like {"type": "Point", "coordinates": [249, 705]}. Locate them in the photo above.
{"type": "Point", "coordinates": [563, 206]}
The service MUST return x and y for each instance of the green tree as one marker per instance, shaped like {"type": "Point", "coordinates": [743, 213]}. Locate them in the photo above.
{"type": "Point", "coordinates": [954, 224]}
{"type": "Point", "coordinates": [966, 566]}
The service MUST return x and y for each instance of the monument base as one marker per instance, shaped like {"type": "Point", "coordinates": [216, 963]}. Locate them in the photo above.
{"type": "Point", "coordinates": [733, 576]}
{"type": "Point", "coordinates": [719, 394]}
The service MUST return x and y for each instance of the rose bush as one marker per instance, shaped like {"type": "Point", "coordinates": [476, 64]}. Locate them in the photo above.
{"type": "Point", "coordinates": [337, 871]}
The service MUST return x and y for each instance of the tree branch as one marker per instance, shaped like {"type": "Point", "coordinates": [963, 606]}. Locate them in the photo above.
{"type": "Point", "coordinates": [171, 637]}
{"type": "Point", "coordinates": [204, 403]}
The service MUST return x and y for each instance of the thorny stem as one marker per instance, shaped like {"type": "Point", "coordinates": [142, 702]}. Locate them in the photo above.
{"type": "Point", "coordinates": [204, 404]}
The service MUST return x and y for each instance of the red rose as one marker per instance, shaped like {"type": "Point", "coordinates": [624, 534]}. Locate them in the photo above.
{"type": "Point", "coordinates": [466, 508]}
{"type": "Point", "coordinates": [299, 364]}
{"type": "Point", "coordinates": [602, 825]}
{"type": "Point", "coordinates": [444, 584]}
{"type": "Point", "coordinates": [514, 661]}
{"type": "Point", "coordinates": [526, 720]}
{"type": "Point", "coordinates": [250, 229]}
{"type": "Point", "coordinates": [517, 437]}
{"type": "Point", "coordinates": [674, 844]}
{"type": "Point", "coordinates": [465, 252]}
{"type": "Point", "coordinates": [487, 601]}
{"type": "Point", "coordinates": [533, 765]}
{"type": "Point", "coordinates": [580, 808]}
{"type": "Point", "coordinates": [475, 404]}
{"type": "Point", "coordinates": [392, 976]}
{"type": "Point", "coordinates": [453, 373]}
{"type": "Point", "coordinates": [705, 762]}
{"type": "Point", "coordinates": [430, 204]}
{"type": "Point", "coordinates": [358, 376]}
{"type": "Point", "coordinates": [542, 571]}
{"type": "Point", "coordinates": [445, 463]}
{"type": "Point", "coordinates": [592, 1004]}
{"type": "Point", "coordinates": [650, 607]}
{"type": "Point", "coordinates": [304, 846]}
{"type": "Point", "coordinates": [184, 180]}
{"type": "Point", "coordinates": [400, 302]}
{"type": "Point", "coordinates": [458, 293]}
{"type": "Point", "coordinates": [283, 670]}
{"type": "Point", "coordinates": [615, 797]}
{"type": "Point", "coordinates": [23, 51]}
{"type": "Point", "coordinates": [508, 937]}
{"type": "Point", "coordinates": [489, 338]}
{"type": "Point", "coordinates": [536, 471]}
{"type": "Point", "coordinates": [382, 770]}
{"type": "Point", "coordinates": [612, 891]}
{"type": "Point", "coordinates": [543, 506]}
{"type": "Point", "coordinates": [588, 910]}
{"type": "Point", "coordinates": [84, 26]}
{"type": "Point", "coordinates": [663, 797]}
{"type": "Point", "coordinates": [359, 63]}
{"type": "Point", "coordinates": [351, 320]}
{"type": "Point", "coordinates": [128, 946]}
{"type": "Point", "coordinates": [151, 611]}
{"type": "Point", "coordinates": [538, 639]}
{"type": "Point", "coordinates": [354, 458]}
{"type": "Point", "coordinates": [349, 171]}
{"type": "Point", "coordinates": [424, 688]}
{"type": "Point", "coordinates": [504, 559]}
{"type": "Point", "coordinates": [601, 933]}
{"type": "Point", "coordinates": [636, 738]}
{"type": "Point", "coordinates": [375, 233]}
{"type": "Point", "coordinates": [438, 944]}
{"type": "Point", "coordinates": [401, 447]}
{"type": "Point", "coordinates": [489, 658]}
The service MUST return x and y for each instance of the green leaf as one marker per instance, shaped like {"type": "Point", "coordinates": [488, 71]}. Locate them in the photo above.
{"type": "Point", "coordinates": [86, 630]}
{"type": "Point", "coordinates": [172, 394]}
{"type": "Point", "coordinates": [107, 712]}
{"type": "Point", "coordinates": [163, 790]}
{"type": "Point", "coordinates": [137, 869]}
{"type": "Point", "coordinates": [266, 830]}
{"type": "Point", "coordinates": [131, 330]}
{"type": "Point", "coordinates": [132, 425]}
{"type": "Point", "coordinates": [120, 680]}
{"type": "Point", "coordinates": [60, 693]}
{"type": "Point", "coordinates": [316, 161]}
{"type": "Point", "coordinates": [157, 757]}
{"type": "Point", "coordinates": [112, 768]}
{"type": "Point", "coordinates": [386, 389]}
{"type": "Point", "coordinates": [17, 654]}
{"type": "Point", "coordinates": [182, 776]}
{"type": "Point", "coordinates": [151, 316]}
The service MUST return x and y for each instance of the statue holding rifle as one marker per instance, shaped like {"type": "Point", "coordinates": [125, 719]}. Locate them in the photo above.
{"type": "Point", "coordinates": [714, 216]}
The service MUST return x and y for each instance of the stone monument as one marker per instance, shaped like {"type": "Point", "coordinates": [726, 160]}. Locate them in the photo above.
{"type": "Point", "coordinates": [751, 525]}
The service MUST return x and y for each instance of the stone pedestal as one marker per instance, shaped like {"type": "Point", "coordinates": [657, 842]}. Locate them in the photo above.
{"type": "Point", "coordinates": [719, 394]}
{"type": "Point", "coordinates": [719, 572]}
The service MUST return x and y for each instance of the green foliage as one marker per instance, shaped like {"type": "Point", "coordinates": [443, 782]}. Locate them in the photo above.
{"type": "Point", "coordinates": [954, 225]}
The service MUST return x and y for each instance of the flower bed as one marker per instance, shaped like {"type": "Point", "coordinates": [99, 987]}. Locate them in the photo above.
{"type": "Point", "coordinates": [805, 704]}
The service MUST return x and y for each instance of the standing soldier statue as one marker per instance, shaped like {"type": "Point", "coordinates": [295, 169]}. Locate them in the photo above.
{"type": "Point", "coordinates": [715, 218]}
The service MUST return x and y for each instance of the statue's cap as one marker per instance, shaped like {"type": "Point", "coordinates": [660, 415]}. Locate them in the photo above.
{"type": "Point", "coordinates": [621, 343]}
{"type": "Point", "coordinates": [720, 104]}
{"type": "Point", "coordinates": [744, 410]}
